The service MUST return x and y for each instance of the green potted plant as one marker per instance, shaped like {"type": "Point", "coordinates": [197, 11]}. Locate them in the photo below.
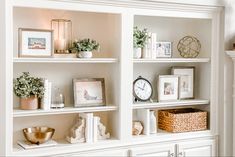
{"type": "Point", "coordinates": [140, 38]}
{"type": "Point", "coordinates": [85, 47]}
{"type": "Point", "coordinates": [29, 90]}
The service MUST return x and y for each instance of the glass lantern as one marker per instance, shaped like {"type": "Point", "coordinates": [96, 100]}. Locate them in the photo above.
{"type": "Point", "coordinates": [57, 99]}
{"type": "Point", "coordinates": [62, 35]}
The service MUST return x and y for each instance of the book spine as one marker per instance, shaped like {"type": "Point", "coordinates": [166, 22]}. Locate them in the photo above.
{"type": "Point", "coordinates": [44, 101]}
{"type": "Point", "coordinates": [49, 95]}
{"type": "Point", "coordinates": [153, 42]}
{"type": "Point", "coordinates": [95, 129]}
{"type": "Point", "coordinates": [89, 126]}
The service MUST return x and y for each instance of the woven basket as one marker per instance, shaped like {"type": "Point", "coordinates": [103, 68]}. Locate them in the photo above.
{"type": "Point", "coordinates": [182, 120]}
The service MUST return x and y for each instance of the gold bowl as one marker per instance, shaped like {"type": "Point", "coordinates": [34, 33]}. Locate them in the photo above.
{"type": "Point", "coordinates": [38, 135]}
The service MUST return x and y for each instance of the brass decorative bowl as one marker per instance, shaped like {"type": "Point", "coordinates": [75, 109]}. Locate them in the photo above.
{"type": "Point", "coordinates": [38, 135]}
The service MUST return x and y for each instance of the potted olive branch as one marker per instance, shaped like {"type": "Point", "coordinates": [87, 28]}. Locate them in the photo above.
{"type": "Point", "coordinates": [29, 90]}
{"type": "Point", "coordinates": [140, 38]}
{"type": "Point", "coordinates": [85, 47]}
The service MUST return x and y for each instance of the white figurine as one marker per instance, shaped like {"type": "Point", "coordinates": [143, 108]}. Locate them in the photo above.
{"type": "Point", "coordinates": [101, 131]}
{"type": "Point", "coordinates": [77, 132]}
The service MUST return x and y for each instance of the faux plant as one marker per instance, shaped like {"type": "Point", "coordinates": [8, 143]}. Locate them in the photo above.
{"type": "Point", "coordinates": [26, 86]}
{"type": "Point", "coordinates": [85, 45]}
{"type": "Point", "coordinates": [140, 37]}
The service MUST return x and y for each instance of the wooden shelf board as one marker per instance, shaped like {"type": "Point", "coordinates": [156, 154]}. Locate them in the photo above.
{"type": "Point", "coordinates": [173, 60]}
{"type": "Point", "coordinates": [64, 147]}
{"type": "Point", "coordinates": [65, 60]}
{"type": "Point", "coordinates": [66, 110]}
{"type": "Point", "coordinates": [177, 103]}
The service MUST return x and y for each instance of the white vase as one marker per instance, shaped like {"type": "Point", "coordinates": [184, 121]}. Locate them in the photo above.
{"type": "Point", "coordinates": [85, 54]}
{"type": "Point", "coordinates": [137, 53]}
{"type": "Point", "coordinates": [153, 123]}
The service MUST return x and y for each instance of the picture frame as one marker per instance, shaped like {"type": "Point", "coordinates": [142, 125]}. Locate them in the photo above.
{"type": "Point", "coordinates": [163, 49]}
{"type": "Point", "coordinates": [168, 87]}
{"type": "Point", "coordinates": [89, 92]}
{"type": "Point", "coordinates": [35, 42]}
{"type": "Point", "coordinates": [186, 80]}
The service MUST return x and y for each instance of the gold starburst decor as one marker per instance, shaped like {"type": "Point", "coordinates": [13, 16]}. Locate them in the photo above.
{"type": "Point", "coordinates": [189, 47]}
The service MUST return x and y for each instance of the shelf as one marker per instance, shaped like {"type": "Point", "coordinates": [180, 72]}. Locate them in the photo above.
{"type": "Point", "coordinates": [65, 60]}
{"type": "Point", "coordinates": [163, 135]}
{"type": "Point", "coordinates": [66, 110]}
{"type": "Point", "coordinates": [64, 147]}
{"type": "Point", "coordinates": [170, 103]}
{"type": "Point", "coordinates": [173, 60]}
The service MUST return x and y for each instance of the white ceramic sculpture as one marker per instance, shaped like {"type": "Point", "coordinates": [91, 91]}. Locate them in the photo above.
{"type": "Point", "coordinates": [77, 132]}
{"type": "Point", "coordinates": [101, 131]}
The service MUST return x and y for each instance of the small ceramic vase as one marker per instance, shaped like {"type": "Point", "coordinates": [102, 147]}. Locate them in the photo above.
{"type": "Point", "coordinates": [137, 53]}
{"type": "Point", "coordinates": [153, 123]}
{"type": "Point", "coordinates": [85, 54]}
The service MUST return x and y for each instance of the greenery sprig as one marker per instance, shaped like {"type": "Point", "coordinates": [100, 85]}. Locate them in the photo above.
{"type": "Point", "coordinates": [26, 86]}
{"type": "Point", "coordinates": [140, 37]}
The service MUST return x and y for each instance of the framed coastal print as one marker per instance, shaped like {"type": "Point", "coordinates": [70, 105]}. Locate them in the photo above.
{"type": "Point", "coordinates": [35, 43]}
{"type": "Point", "coordinates": [89, 92]}
{"type": "Point", "coordinates": [167, 87]}
{"type": "Point", "coordinates": [186, 81]}
{"type": "Point", "coordinates": [163, 49]}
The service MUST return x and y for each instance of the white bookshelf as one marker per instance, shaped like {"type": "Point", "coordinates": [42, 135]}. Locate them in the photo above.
{"type": "Point", "coordinates": [65, 60]}
{"type": "Point", "coordinates": [110, 23]}
{"type": "Point", "coordinates": [178, 103]}
{"type": "Point", "coordinates": [66, 110]}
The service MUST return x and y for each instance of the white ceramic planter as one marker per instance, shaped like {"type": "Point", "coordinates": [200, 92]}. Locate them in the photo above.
{"type": "Point", "coordinates": [85, 54]}
{"type": "Point", "coordinates": [137, 53]}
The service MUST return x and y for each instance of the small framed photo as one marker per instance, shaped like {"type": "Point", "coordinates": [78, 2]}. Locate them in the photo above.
{"type": "Point", "coordinates": [89, 92]}
{"type": "Point", "coordinates": [186, 81]}
{"type": "Point", "coordinates": [35, 42]}
{"type": "Point", "coordinates": [163, 49]}
{"type": "Point", "coordinates": [168, 87]}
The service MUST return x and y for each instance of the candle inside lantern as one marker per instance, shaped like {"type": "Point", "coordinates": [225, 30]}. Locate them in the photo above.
{"type": "Point", "coordinates": [62, 35]}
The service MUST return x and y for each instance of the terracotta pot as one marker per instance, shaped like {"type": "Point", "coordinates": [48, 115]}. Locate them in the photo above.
{"type": "Point", "coordinates": [30, 103]}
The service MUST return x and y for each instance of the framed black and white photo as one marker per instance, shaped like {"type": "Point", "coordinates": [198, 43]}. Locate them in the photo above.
{"type": "Point", "coordinates": [167, 87]}
{"type": "Point", "coordinates": [89, 92]}
{"type": "Point", "coordinates": [186, 81]}
{"type": "Point", "coordinates": [35, 42]}
{"type": "Point", "coordinates": [163, 49]}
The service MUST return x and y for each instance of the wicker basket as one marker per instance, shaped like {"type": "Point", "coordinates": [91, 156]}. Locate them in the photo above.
{"type": "Point", "coordinates": [182, 120]}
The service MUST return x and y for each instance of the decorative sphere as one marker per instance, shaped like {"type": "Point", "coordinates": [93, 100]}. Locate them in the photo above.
{"type": "Point", "coordinates": [189, 47]}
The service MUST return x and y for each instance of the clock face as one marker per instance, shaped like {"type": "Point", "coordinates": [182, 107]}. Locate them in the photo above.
{"type": "Point", "coordinates": [142, 89]}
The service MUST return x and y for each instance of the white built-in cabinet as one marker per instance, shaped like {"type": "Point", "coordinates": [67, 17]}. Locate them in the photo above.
{"type": "Point", "coordinates": [111, 23]}
{"type": "Point", "coordinates": [181, 149]}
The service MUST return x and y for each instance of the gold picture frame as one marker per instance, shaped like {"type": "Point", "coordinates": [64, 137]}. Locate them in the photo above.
{"type": "Point", "coordinates": [35, 43]}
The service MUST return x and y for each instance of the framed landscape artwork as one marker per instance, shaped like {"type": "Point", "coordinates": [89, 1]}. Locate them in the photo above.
{"type": "Point", "coordinates": [89, 92]}
{"type": "Point", "coordinates": [35, 43]}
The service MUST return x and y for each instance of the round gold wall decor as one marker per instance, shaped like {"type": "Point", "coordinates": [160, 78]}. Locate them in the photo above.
{"type": "Point", "coordinates": [189, 47]}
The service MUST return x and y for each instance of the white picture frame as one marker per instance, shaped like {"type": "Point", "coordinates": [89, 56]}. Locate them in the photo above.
{"type": "Point", "coordinates": [186, 81]}
{"type": "Point", "coordinates": [163, 49]}
{"type": "Point", "coordinates": [89, 92]}
{"type": "Point", "coordinates": [35, 42]}
{"type": "Point", "coordinates": [168, 87]}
